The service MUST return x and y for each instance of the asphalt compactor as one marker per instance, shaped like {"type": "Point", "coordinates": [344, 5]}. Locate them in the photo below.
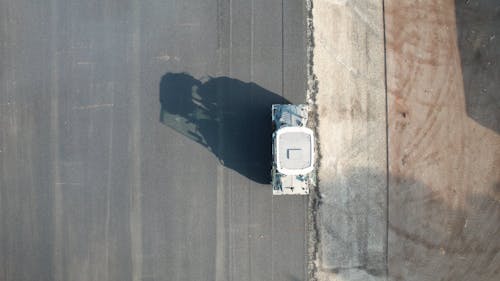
{"type": "Point", "coordinates": [293, 150]}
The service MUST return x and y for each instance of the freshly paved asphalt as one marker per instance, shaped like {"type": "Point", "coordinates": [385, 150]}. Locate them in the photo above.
{"type": "Point", "coordinates": [94, 187]}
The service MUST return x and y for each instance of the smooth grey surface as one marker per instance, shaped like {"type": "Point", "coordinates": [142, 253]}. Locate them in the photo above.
{"type": "Point", "coordinates": [94, 187]}
{"type": "Point", "coordinates": [295, 150]}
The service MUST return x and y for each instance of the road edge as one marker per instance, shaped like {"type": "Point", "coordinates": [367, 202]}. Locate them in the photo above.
{"type": "Point", "coordinates": [314, 195]}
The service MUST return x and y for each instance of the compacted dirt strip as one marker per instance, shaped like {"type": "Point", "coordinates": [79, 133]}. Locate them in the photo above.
{"type": "Point", "coordinates": [349, 65]}
{"type": "Point", "coordinates": [444, 142]}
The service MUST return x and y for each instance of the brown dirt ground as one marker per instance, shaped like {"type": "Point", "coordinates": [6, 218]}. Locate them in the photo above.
{"type": "Point", "coordinates": [442, 178]}
{"type": "Point", "coordinates": [444, 142]}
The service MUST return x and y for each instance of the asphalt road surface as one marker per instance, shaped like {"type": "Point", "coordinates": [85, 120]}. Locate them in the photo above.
{"type": "Point", "coordinates": [131, 144]}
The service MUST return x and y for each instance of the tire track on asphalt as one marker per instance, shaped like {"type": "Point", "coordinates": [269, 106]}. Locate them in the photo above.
{"type": "Point", "coordinates": [135, 147]}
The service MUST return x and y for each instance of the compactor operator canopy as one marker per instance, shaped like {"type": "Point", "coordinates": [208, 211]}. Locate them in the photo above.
{"type": "Point", "coordinates": [294, 150]}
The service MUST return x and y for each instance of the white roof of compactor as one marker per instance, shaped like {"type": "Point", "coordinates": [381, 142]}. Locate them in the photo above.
{"type": "Point", "coordinates": [294, 150]}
